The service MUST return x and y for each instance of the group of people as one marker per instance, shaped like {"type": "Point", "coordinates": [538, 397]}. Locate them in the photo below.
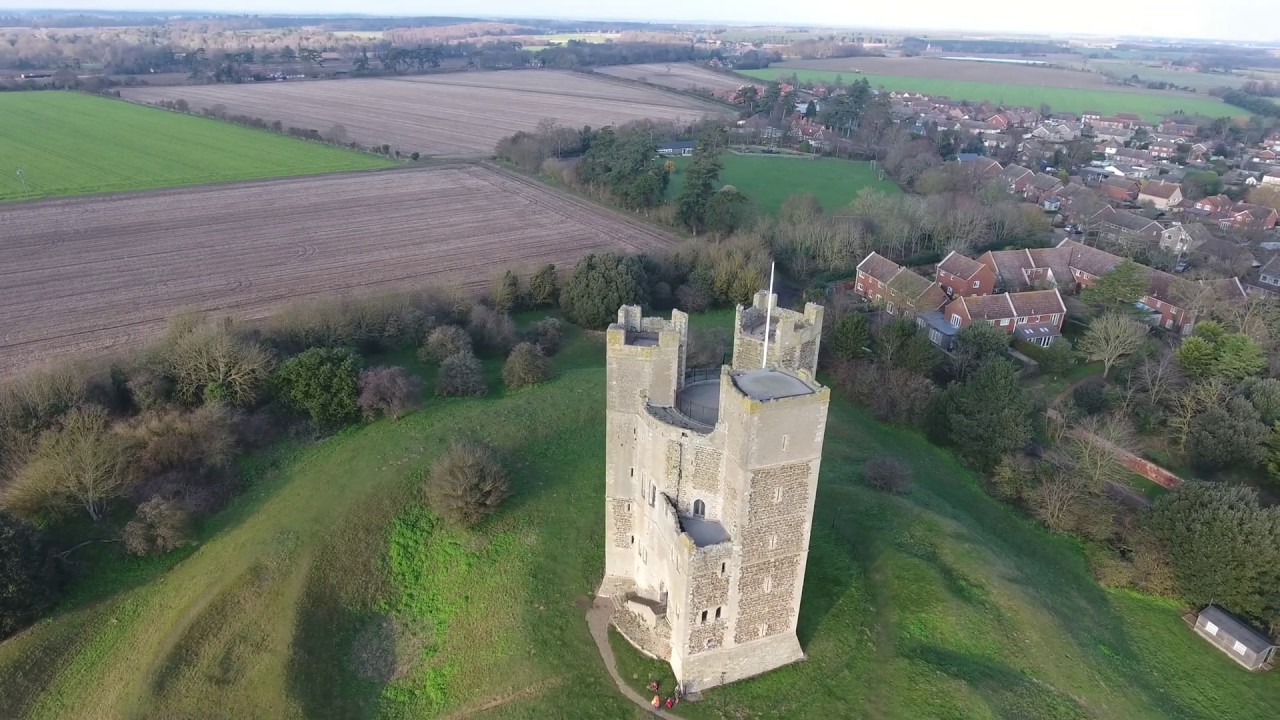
{"type": "Point", "coordinates": [657, 701]}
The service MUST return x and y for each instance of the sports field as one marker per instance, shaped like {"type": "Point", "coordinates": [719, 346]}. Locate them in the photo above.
{"type": "Point", "coordinates": [770, 179]}
{"type": "Point", "coordinates": [941, 603]}
{"type": "Point", "coordinates": [1151, 105]}
{"type": "Point", "coordinates": [63, 143]}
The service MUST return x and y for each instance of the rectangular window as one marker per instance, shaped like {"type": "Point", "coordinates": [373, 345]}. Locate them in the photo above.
{"type": "Point", "coordinates": [704, 617]}
{"type": "Point", "coordinates": [1239, 647]}
{"type": "Point", "coordinates": [955, 321]}
{"type": "Point", "coordinates": [860, 287]}
{"type": "Point", "coordinates": [653, 495]}
{"type": "Point", "coordinates": [717, 613]}
{"type": "Point", "coordinates": [1210, 628]}
{"type": "Point", "coordinates": [777, 495]}
{"type": "Point", "coordinates": [1004, 322]}
{"type": "Point", "coordinates": [976, 283]}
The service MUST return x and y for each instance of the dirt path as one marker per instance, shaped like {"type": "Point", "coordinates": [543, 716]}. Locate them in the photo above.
{"type": "Point", "coordinates": [532, 691]}
{"type": "Point", "coordinates": [598, 622]}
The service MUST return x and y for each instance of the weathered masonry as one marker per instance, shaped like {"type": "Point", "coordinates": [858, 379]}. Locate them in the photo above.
{"type": "Point", "coordinates": [710, 482]}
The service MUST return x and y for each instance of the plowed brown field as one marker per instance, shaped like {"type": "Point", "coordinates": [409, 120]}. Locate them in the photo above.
{"type": "Point", "coordinates": [453, 115]}
{"type": "Point", "coordinates": [90, 275]}
{"type": "Point", "coordinates": [680, 76]}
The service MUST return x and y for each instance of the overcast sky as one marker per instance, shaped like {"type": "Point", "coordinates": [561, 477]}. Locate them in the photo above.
{"type": "Point", "coordinates": [1242, 20]}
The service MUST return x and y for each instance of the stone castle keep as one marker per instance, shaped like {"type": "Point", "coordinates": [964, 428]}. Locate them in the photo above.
{"type": "Point", "coordinates": [710, 483]}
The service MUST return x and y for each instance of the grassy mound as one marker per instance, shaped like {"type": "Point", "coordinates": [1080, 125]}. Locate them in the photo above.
{"type": "Point", "coordinates": [71, 144]}
{"type": "Point", "coordinates": [328, 590]}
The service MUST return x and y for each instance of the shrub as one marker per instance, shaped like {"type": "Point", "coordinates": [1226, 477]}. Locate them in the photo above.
{"type": "Point", "coordinates": [192, 440]}
{"type": "Point", "coordinates": [542, 287]}
{"type": "Point", "coordinates": [506, 292]}
{"type": "Point", "coordinates": [1109, 569]}
{"type": "Point", "coordinates": [887, 474]}
{"type": "Point", "coordinates": [323, 384]}
{"type": "Point", "coordinates": [693, 298]}
{"type": "Point", "coordinates": [600, 284]}
{"type": "Point", "coordinates": [1092, 398]}
{"type": "Point", "coordinates": [371, 324]}
{"type": "Point", "coordinates": [28, 578]}
{"type": "Point", "coordinates": [547, 334]}
{"type": "Point", "coordinates": [389, 391]}
{"type": "Point", "coordinates": [35, 401]}
{"type": "Point", "coordinates": [525, 366]}
{"type": "Point", "coordinates": [443, 342]}
{"type": "Point", "coordinates": [467, 484]}
{"type": "Point", "coordinates": [159, 526]}
{"type": "Point", "coordinates": [461, 376]}
{"type": "Point", "coordinates": [491, 330]}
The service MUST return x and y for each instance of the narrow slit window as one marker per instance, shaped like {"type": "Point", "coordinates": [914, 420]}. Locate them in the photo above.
{"type": "Point", "coordinates": [777, 495]}
{"type": "Point", "coordinates": [717, 613]}
{"type": "Point", "coordinates": [768, 584]}
{"type": "Point", "coordinates": [773, 542]}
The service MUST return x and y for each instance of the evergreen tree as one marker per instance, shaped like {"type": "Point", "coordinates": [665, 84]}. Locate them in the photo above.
{"type": "Point", "coordinates": [542, 287]}
{"type": "Point", "coordinates": [852, 333]}
{"type": "Point", "coordinates": [987, 416]}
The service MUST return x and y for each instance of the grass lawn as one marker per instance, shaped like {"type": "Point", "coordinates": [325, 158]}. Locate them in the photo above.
{"type": "Point", "coordinates": [67, 143]}
{"type": "Point", "coordinates": [1153, 106]}
{"type": "Point", "coordinates": [770, 179]}
{"type": "Point", "coordinates": [942, 603]}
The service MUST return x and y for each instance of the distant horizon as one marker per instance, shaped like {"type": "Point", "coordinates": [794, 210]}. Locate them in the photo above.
{"type": "Point", "coordinates": [1147, 20]}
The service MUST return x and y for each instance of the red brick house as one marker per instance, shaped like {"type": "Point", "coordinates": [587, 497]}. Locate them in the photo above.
{"type": "Point", "coordinates": [1034, 316]}
{"type": "Point", "coordinates": [963, 276]}
{"type": "Point", "coordinates": [899, 290]}
{"type": "Point", "coordinates": [1245, 216]}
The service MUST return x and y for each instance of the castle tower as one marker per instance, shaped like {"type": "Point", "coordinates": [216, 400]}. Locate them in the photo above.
{"type": "Point", "coordinates": [711, 476]}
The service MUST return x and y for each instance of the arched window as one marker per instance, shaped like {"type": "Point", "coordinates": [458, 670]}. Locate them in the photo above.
{"type": "Point", "coordinates": [699, 508]}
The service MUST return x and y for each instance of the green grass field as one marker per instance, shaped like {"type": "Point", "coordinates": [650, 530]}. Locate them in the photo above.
{"type": "Point", "coordinates": [1150, 105]}
{"type": "Point", "coordinates": [71, 144]}
{"type": "Point", "coordinates": [942, 603]}
{"type": "Point", "coordinates": [770, 179]}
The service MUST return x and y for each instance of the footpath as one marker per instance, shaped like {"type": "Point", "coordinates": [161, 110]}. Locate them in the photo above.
{"type": "Point", "coordinates": [598, 622]}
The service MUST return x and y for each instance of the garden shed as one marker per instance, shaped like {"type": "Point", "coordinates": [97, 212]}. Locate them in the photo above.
{"type": "Point", "coordinates": [1234, 637]}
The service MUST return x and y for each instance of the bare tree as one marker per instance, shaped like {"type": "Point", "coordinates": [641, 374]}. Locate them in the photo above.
{"type": "Point", "coordinates": [1110, 338]}
{"type": "Point", "coordinates": [210, 364]}
{"type": "Point", "coordinates": [80, 463]}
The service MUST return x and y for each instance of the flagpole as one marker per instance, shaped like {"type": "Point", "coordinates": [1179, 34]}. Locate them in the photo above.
{"type": "Point", "coordinates": [768, 317]}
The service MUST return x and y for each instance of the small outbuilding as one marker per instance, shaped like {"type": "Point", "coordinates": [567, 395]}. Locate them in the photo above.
{"type": "Point", "coordinates": [1234, 637]}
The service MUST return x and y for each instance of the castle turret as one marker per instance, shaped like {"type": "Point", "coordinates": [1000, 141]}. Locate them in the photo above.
{"type": "Point", "coordinates": [793, 337]}
{"type": "Point", "coordinates": [710, 481]}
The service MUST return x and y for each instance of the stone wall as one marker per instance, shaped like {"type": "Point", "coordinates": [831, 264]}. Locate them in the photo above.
{"type": "Point", "coordinates": [765, 593]}
{"type": "Point", "coordinates": [706, 469]}
{"type": "Point", "coordinates": [623, 529]}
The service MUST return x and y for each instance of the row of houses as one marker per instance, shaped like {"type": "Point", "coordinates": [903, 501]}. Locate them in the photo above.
{"type": "Point", "coordinates": [1020, 291]}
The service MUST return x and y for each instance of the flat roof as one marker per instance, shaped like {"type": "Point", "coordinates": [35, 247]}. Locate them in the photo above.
{"type": "Point", "coordinates": [704, 532]}
{"type": "Point", "coordinates": [765, 384]}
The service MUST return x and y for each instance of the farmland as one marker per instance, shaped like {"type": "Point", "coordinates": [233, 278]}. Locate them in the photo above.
{"type": "Point", "coordinates": [61, 143]}
{"type": "Point", "coordinates": [1151, 105]}
{"type": "Point", "coordinates": [940, 603]}
{"type": "Point", "coordinates": [678, 76]}
{"type": "Point", "coordinates": [770, 179]}
{"type": "Point", "coordinates": [91, 274]}
{"type": "Point", "coordinates": [963, 70]}
{"type": "Point", "coordinates": [452, 115]}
